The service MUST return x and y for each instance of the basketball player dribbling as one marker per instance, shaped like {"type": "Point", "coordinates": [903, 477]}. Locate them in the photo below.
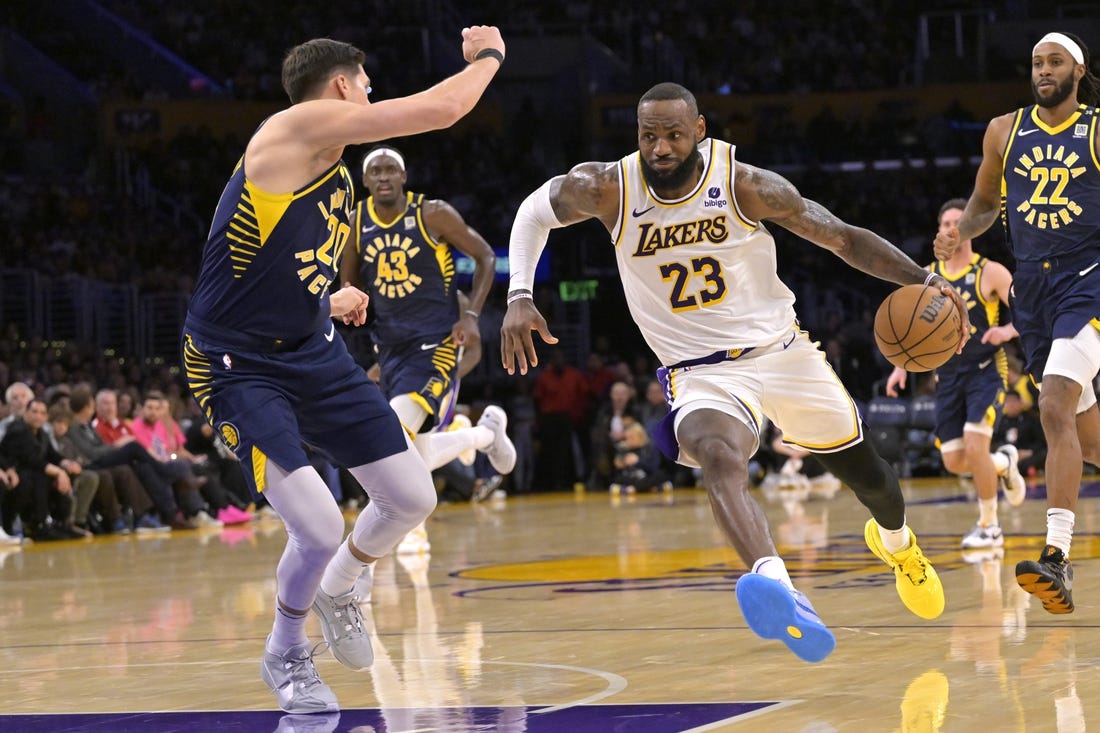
{"type": "Point", "coordinates": [970, 389]}
{"type": "Point", "coordinates": [269, 372]}
{"type": "Point", "coordinates": [699, 271]}
{"type": "Point", "coordinates": [1040, 172]}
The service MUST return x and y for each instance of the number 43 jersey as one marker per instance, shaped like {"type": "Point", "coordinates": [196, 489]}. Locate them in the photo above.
{"type": "Point", "coordinates": [699, 276]}
{"type": "Point", "coordinates": [409, 275]}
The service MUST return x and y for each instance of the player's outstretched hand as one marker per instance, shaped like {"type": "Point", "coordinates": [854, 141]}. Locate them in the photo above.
{"type": "Point", "coordinates": [946, 244]}
{"type": "Point", "coordinates": [516, 342]}
{"type": "Point", "coordinates": [477, 38]}
{"type": "Point", "coordinates": [350, 304]}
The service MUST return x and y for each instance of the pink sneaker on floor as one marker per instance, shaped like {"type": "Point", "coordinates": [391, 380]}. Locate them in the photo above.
{"type": "Point", "coordinates": [233, 515]}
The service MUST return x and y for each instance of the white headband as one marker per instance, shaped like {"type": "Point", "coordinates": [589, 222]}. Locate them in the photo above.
{"type": "Point", "coordinates": [379, 152]}
{"type": "Point", "coordinates": [1065, 42]}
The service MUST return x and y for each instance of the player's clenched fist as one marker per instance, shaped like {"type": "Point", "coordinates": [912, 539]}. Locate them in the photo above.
{"type": "Point", "coordinates": [477, 38]}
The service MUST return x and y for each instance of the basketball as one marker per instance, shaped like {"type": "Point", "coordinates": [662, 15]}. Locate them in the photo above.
{"type": "Point", "coordinates": [917, 328]}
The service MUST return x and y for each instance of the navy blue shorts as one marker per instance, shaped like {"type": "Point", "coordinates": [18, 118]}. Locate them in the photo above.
{"type": "Point", "coordinates": [972, 394]}
{"type": "Point", "coordinates": [267, 403]}
{"type": "Point", "coordinates": [426, 370]}
{"type": "Point", "coordinates": [1054, 299]}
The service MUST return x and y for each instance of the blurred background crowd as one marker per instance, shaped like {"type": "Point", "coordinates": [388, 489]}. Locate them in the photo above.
{"type": "Point", "coordinates": [120, 120]}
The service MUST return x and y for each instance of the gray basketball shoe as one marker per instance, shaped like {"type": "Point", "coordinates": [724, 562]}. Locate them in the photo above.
{"type": "Point", "coordinates": [342, 625]}
{"type": "Point", "coordinates": [294, 680]}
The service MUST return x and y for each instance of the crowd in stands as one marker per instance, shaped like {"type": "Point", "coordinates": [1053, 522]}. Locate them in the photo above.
{"type": "Point", "coordinates": [570, 421]}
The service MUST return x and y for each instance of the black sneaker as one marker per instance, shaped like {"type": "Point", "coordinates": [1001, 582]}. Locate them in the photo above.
{"type": "Point", "coordinates": [1050, 580]}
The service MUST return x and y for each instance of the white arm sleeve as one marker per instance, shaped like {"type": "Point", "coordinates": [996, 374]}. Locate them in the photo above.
{"type": "Point", "coordinates": [532, 226]}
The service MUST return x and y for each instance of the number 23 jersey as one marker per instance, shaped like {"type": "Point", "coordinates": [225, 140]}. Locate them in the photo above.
{"type": "Point", "coordinates": [699, 276]}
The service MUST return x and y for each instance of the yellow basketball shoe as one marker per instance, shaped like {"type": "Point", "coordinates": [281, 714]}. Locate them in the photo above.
{"type": "Point", "coordinates": [918, 585]}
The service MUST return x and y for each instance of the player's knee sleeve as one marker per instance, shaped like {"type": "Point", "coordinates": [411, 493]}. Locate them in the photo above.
{"type": "Point", "coordinates": [873, 480]}
{"type": "Point", "coordinates": [314, 527]}
{"type": "Point", "coordinates": [410, 412]}
{"type": "Point", "coordinates": [314, 523]}
{"type": "Point", "coordinates": [402, 496]}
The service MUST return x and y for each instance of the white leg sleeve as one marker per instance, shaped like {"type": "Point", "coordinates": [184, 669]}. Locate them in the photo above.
{"type": "Point", "coordinates": [314, 528]}
{"type": "Point", "coordinates": [402, 496]}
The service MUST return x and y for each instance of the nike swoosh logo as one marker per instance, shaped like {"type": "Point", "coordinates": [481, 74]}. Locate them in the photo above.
{"type": "Point", "coordinates": [985, 363]}
{"type": "Point", "coordinates": [425, 347]}
{"type": "Point", "coordinates": [331, 332]}
{"type": "Point", "coordinates": [637, 213]}
{"type": "Point", "coordinates": [1088, 269]}
{"type": "Point", "coordinates": [1021, 133]}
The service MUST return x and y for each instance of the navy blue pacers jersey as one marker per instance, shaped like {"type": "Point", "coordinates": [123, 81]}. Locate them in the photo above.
{"type": "Point", "coordinates": [984, 315]}
{"type": "Point", "coordinates": [1050, 186]}
{"type": "Point", "coordinates": [263, 272]}
{"type": "Point", "coordinates": [409, 275]}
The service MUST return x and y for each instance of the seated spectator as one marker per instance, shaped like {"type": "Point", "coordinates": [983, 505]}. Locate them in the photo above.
{"type": "Point", "coordinates": [44, 497]}
{"type": "Point", "coordinates": [111, 428]}
{"type": "Point", "coordinates": [609, 429]}
{"type": "Point", "coordinates": [89, 441]}
{"type": "Point", "coordinates": [636, 463]}
{"type": "Point", "coordinates": [16, 397]}
{"type": "Point", "coordinates": [165, 443]}
{"type": "Point", "coordinates": [119, 487]}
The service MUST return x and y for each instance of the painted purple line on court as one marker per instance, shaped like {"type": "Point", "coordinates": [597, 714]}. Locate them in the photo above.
{"type": "Point", "coordinates": [642, 718]}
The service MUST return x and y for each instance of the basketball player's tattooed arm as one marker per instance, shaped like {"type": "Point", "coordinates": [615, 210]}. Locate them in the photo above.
{"type": "Point", "coordinates": [589, 190]}
{"type": "Point", "coordinates": [764, 195]}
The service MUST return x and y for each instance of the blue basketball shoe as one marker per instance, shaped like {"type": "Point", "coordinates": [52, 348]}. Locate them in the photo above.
{"type": "Point", "coordinates": [774, 611]}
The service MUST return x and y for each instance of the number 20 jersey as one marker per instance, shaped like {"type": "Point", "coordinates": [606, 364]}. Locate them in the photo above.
{"type": "Point", "coordinates": [270, 258]}
{"type": "Point", "coordinates": [698, 275]}
{"type": "Point", "coordinates": [1050, 190]}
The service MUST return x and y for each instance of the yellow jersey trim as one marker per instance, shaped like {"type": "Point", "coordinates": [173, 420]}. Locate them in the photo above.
{"type": "Point", "coordinates": [1062, 126]}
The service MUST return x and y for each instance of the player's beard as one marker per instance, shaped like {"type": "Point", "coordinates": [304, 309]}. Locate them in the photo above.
{"type": "Point", "coordinates": [1059, 95]}
{"type": "Point", "coordinates": [675, 178]}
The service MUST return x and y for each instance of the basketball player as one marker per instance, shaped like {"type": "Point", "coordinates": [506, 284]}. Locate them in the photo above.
{"type": "Point", "coordinates": [699, 270]}
{"type": "Point", "coordinates": [970, 388]}
{"type": "Point", "coordinates": [1044, 160]}
{"type": "Point", "coordinates": [265, 365]}
{"type": "Point", "coordinates": [400, 254]}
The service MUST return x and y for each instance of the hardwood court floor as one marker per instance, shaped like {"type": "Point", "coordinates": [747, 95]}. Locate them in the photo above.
{"type": "Point", "coordinates": [563, 613]}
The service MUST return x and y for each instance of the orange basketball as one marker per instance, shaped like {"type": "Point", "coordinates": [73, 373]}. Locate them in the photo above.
{"type": "Point", "coordinates": [917, 328]}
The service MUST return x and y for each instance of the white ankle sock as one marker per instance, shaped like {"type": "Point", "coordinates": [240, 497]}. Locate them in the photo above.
{"type": "Point", "coordinates": [894, 540]}
{"type": "Point", "coordinates": [1000, 462]}
{"type": "Point", "coordinates": [1060, 529]}
{"type": "Point", "coordinates": [342, 572]}
{"type": "Point", "coordinates": [772, 567]}
{"type": "Point", "coordinates": [289, 630]}
{"type": "Point", "coordinates": [987, 512]}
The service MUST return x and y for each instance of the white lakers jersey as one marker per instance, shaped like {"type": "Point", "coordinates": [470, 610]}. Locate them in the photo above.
{"type": "Point", "coordinates": [698, 275]}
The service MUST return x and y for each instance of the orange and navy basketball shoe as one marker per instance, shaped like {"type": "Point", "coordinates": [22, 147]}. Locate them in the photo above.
{"type": "Point", "coordinates": [1050, 579]}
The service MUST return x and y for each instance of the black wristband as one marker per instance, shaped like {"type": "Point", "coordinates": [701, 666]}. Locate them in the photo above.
{"type": "Point", "coordinates": [487, 53]}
